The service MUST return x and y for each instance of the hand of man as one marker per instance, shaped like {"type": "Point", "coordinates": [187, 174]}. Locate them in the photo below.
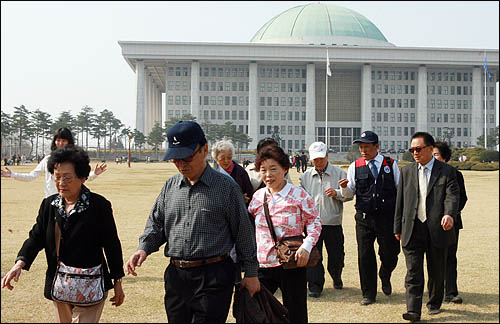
{"type": "Point", "coordinates": [330, 192]}
{"type": "Point", "coordinates": [100, 168]}
{"type": "Point", "coordinates": [6, 173]}
{"type": "Point", "coordinates": [343, 182]}
{"type": "Point", "coordinates": [447, 222]}
{"type": "Point", "coordinates": [252, 284]}
{"type": "Point", "coordinates": [135, 260]}
{"type": "Point", "coordinates": [246, 198]}
{"type": "Point", "coordinates": [302, 257]}
{"type": "Point", "coordinates": [398, 237]}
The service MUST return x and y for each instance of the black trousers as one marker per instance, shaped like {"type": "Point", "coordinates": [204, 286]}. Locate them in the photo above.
{"type": "Point", "coordinates": [420, 244]}
{"type": "Point", "coordinates": [333, 237]}
{"type": "Point", "coordinates": [304, 166]}
{"type": "Point", "coordinates": [374, 227]}
{"type": "Point", "coordinates": [451, 269]}
{"type": "Point", "coordinates": [292, 283]}
{"type": "Point", "coordinates": [199, 295]}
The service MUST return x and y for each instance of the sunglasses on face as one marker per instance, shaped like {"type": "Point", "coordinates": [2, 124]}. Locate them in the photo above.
{"type": "Point", "coordinates": [416, 149]}
{"type": "Point", "coordinates": [188, 159]}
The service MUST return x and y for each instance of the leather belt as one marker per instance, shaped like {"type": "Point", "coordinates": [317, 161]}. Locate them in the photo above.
{"type": "Point", "coordinates": [183, 264]}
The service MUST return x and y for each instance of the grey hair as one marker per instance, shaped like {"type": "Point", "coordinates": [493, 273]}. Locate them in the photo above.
{"type": "Point", "coordinates": [222, 145]}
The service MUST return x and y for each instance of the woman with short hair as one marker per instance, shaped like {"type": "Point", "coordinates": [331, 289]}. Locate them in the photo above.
{"type": "Point", "coordinates": [87, 226]}
{"type": "Point", "coordinates": [222, 153]}
{"type": "Point", "coordinates": [62, 137]}
{"type": "Point", "coordinates": [292, 213]}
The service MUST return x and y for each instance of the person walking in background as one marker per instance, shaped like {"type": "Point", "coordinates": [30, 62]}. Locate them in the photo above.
{"type": "Point", "coordinates": [62, 137]}
{"type": "Point", "coordinates": [303, 162]}
{"type": "Point", "coordinates": [222, 153]}
{"type": "Point", "coordinates": [292, 213]}
{"type": "Point", "coordinates": [426, 208]}
{"type": "Point", "coordinates": [321, 182]}
{"type": "Point", "coordinates": [88, 227]}
{"type": "Point", "coordinates": [373, 178]}
{"type": "Point", "coordinates": [442, 153]}
{"type": "Point", "coordinates": [200, 214]}
{"type": "Point", "coordinates": [298, 161]}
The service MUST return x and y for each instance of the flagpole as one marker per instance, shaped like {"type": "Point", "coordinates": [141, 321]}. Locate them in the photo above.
{"type": "Point", "coordinates": [326, 101]}
{"type": "Point", "coordinates": [485, 112]}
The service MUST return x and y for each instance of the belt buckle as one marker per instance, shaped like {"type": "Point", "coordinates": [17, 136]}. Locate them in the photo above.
{"type": "Point", "coordinates": [184, 264]}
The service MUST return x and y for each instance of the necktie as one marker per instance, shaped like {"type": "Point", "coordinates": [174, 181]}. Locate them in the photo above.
{"type": "Point", "coordinates": [422, 189]}
{"type": "Point", "coordinates": [374, 169]}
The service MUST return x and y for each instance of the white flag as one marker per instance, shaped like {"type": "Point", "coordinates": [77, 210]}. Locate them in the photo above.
{"type": "Point", "coordinates": [328, 71]}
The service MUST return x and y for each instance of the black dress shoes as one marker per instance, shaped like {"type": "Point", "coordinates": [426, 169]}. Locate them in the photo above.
{"type": "Point", "coordinates": [314, 294]}
{"type": "Point", "coordinates": [338, 284]}
{"type": "Point", "coordinates": [411, 316]}
{"type": "Point", "coordinates": [453, 299]}
{"type": "Point", "coordinates": [386, 286]}
{"type": "Point", "coordinates": [434, 310]}
{"type": "Point", "coordinates": [367, 301]}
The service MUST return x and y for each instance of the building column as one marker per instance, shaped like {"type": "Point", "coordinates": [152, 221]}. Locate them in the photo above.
{"type": "Point", "coordinates": [366, 98]}
{"type": "Point", "coordinates": [422, 100]}
{"type": "Point", "coordinates": [195, 89]}
{"type": "Point", "coordinates": [159, 105]}
{"type": "Point", "coordinates": [147, 102]}
{"type": "Point", "coordinates": [477, 118]}
{"type": "Point", "coordinates": [310, 104]}
{"type": "Point", "coordinates": [253, 105]}
{"type": "Point", "coordinates": [139, 110]}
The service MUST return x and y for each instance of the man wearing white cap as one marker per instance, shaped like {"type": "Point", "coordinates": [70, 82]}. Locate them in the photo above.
{"type": "Point", "coordinates": [322, 183]}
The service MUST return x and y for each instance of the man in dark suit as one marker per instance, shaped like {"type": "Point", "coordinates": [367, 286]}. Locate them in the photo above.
{"type": "Point", "coordinates": [426, 209]}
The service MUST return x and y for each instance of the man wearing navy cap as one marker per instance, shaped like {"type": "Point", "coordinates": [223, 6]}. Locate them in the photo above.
{"type": "Point", "coordinates": [373, 179]}
{"type": "Point", "coordinates": [200, 214]}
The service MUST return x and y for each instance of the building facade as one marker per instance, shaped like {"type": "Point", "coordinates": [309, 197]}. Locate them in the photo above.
{"type": "Point", "coordinates": [276, 84]}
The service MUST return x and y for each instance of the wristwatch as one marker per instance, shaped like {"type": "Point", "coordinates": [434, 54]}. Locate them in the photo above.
{"type": "Point", "coordinates": [118, 280]}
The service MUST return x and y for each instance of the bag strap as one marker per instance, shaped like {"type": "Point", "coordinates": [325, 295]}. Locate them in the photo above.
{"type": "Point", "coordinates": [269, 222]}
{"type": "Point", "coordinates": [57, 231]}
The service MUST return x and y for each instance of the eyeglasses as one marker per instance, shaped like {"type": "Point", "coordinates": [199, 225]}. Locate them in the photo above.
{"type": "Point", "coordinates": [63, 179]}
{"type": "Point", "coordinates": [416, 149]}
{"type": "Point", "coordinates": [190, 158]}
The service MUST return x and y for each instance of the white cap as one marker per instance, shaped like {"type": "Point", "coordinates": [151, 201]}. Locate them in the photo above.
{"type": "Point", "coordinates": [317, 150]}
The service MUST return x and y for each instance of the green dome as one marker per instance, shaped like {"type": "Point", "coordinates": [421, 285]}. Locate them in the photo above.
{"type": "Point", "coordinates": [318, 23]}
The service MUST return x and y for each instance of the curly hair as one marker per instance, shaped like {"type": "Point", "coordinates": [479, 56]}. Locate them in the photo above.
{"type": "Point", "coordinates": [273, 152]}
{"type": "Point", "coordinates": [63, 133]}
{"type": "Point", "coordinates": [72, 154]}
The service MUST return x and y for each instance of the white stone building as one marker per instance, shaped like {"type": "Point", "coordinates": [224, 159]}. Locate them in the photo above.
{"type": "Point", "coordinates": [276, 83]}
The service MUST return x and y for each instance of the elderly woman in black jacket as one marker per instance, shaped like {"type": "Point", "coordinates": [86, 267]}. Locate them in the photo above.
{"type": "Point", "coordinates": [87, 226]}
{"type": "Point", "coordinates": [222, 153]}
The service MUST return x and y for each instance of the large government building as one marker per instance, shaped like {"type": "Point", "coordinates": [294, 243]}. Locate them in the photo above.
{"type": "Point", "coordinates": [276, 83]}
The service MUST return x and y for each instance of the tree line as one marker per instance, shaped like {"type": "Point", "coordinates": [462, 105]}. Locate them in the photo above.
{"type": "Point", "coordinates": [26, 132]}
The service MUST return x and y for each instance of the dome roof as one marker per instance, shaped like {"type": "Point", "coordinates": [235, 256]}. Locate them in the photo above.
{"type": "Point", "coordinates": [319, 24]}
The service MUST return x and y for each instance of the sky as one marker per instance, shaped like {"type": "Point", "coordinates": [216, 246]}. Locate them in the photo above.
{"type": "Point", "coordinates": [60, 56]}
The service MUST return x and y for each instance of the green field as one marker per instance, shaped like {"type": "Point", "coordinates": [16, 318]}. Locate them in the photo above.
{"type": "Point", "coordinates": [132, 193]}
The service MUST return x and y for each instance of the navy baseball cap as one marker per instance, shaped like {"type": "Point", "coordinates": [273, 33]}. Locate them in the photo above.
{"type": "Point", "coordinates": [183, 138]}
{"type": "Point", "coordinates": [367, 137]}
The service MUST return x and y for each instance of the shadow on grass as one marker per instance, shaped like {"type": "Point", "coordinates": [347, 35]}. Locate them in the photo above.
{"type": "Point", "coordinates": [143, 279]}
{"type": "Point", "coordinates": [354, 295]}
{"type": "Point", "coordinates": [458, 315]}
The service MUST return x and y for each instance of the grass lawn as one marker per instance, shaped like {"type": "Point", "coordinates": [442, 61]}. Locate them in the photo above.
{"type": "Point", "coordinates": [132, 193]}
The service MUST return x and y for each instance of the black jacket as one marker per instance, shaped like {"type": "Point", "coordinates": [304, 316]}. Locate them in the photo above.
{"type": "Point", "coordinates": [241, 177]}
{"type": "Point", "coordinates": [263, 307]}
{"type": "Point", "coordinates": [463, 199]}
{"type": "Point", "coordinates": [81, 245]}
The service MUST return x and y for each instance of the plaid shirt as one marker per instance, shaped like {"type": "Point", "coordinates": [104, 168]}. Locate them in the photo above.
{"type": "Point", "coordinates": [201, 221]}
{"type": "Point", "coordinates": [292, 210]}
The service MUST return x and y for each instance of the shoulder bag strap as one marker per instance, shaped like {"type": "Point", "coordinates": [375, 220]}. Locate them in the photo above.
{"type": "Point", "coordinates": [269, 222]}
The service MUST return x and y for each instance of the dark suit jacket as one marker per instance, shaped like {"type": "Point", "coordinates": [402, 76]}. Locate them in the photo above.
{"type": "Point", "coordinates": [463, 199]}
{"type": "Point", "coordinates": [442, 199]}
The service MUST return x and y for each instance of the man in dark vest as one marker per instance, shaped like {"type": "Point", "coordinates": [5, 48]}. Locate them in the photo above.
{"type": "Point", "coordinates": [373, 179]}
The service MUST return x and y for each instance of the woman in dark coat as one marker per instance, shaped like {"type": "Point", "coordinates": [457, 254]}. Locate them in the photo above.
{"type": "Point", "coordinates": [87, 226]}
{"type": "Point", "coordinates": [222, 153]}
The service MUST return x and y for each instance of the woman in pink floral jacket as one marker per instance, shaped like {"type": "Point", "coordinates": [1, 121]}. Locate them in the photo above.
{"type": "Point", "coordinates": [292, 212]}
